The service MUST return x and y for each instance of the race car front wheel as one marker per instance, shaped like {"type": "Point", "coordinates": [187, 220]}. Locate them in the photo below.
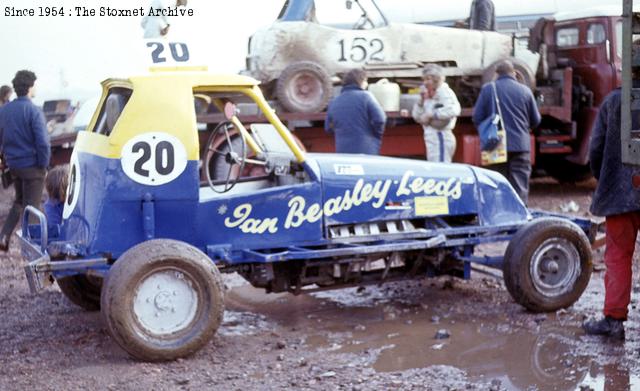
{"type": "Point", "coordinates": [162, 300]}
{"type": "Point", "coordinates": [547, 264]}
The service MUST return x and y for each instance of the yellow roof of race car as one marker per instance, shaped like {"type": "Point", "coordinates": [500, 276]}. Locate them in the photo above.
{"type": "Point", "coordinates": [190, 78]}
{"type": "Point", "coordinates": [162, 101]}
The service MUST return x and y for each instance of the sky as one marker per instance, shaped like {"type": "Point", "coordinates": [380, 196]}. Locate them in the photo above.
{"type": "Point", "coordinates": [71, 54]}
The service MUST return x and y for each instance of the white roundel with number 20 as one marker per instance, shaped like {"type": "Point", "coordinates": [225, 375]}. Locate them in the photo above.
{"type": "Point", "coordinates": [153, 158]}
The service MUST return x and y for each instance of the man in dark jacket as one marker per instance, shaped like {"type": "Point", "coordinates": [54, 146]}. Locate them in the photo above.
{"type": "Point", "coordinates": [520, 115]}
{"type": "Point", "coordinates": [355, 117]}
{"type": "Point", "coordinates": [618, 200]}
{"type": "Point", "coordinates": [24, 142]}
{"type": "Point", "coordinates": [483, 15]}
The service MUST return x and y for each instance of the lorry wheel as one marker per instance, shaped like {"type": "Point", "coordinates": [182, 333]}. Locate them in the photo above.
{"type": "Point", "coordinates": [547, 264]}
{"type": "Point", "coordinates": [304, 87]}
{"type": "Point", "coordinates": [524, 74]}
{"type": "Point", "coordinates": [82, 290]}
{"type": "Point", "coordinates": [162, 300]}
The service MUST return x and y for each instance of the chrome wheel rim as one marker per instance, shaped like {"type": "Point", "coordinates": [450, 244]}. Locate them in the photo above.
{"type": "Point", "coordinates": [555, 267]}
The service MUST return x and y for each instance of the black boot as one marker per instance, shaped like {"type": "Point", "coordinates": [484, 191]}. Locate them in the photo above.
{"type": "Point", "coordinates": [606, 326]}
{"type": "Point", "coordinates": [4, 243]}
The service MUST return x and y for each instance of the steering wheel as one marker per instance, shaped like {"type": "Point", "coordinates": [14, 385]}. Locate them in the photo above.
{"type": "Point", "coordinates": [230, 154]}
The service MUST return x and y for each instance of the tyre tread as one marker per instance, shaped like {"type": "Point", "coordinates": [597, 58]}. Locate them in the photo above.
{"type": "Point", "coordinates": [522, 246]}
{"type": "Point", "coordinates": [141, 257]}
{"type": "Point", "coordinates": [78, 289]}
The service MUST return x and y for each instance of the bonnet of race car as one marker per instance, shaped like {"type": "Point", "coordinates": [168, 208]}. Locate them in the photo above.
{"type": "Point", "coordinates": [388, 188]}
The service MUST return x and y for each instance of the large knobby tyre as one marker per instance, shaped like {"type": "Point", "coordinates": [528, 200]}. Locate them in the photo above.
{"type": "Point", "coordinates": [304, 87]}
{"type": "Point", "coordinates": [82, 290]}
{"type": "Point", "coordinates": [162, 300]}
{"type": "Point", "coordinates": [524, 73]}
{"type": "Point", "coordinates": [547, 264]}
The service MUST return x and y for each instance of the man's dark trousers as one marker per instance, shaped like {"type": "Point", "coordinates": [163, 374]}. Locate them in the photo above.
{"type": "Point", "coordinates": [28, 185]}
{"type": "Point", "coordinates": [517, 170]}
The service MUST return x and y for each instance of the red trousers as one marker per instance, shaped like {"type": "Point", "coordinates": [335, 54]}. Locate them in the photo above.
{"type": "Point", "coordinates": [621, 241]}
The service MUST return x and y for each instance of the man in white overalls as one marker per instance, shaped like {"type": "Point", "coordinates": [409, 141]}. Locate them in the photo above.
{"type": "Point", "coordinates": [437, 111]}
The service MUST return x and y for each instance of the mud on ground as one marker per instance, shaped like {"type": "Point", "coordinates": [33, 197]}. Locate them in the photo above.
{"type": "Point", "coordinates": [352, 339]}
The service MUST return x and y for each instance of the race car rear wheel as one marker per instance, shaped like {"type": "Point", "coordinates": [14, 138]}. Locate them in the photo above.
{"type": "Point", "coordinates": [82, 290]}
{"type": "Point", "coordinates": [304, 87]}
{"type": "Point", "coordinates": [162, 299]}
{"type": "Point", "coordinates": [547, 264]}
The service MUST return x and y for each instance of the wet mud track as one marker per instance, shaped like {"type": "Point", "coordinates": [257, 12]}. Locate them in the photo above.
{"type": "Point", "coordinates": [377, 337]}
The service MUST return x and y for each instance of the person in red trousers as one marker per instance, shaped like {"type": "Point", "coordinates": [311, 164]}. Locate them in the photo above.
{"type": "Point", "coordinates": [618, 200]}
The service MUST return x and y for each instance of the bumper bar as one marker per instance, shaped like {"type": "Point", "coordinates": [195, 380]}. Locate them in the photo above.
{"type": "Point", "coordinates": [40, 269]}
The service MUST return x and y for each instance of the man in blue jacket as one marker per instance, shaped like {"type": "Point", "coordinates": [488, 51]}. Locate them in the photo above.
{"type": "Point", "coordinates": [519, 115]}
{"type": "Point", "coordinates": [355, 117]}
{"type": "Point", "coordinates": [24, 142]}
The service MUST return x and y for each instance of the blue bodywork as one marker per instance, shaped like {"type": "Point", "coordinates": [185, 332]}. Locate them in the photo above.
{"type": "Point", "coordinates": [109, 216]}
{"type": "Point", "coordinates": [333, 206]}
{"type": "Point", "coordinates": [286, 220]}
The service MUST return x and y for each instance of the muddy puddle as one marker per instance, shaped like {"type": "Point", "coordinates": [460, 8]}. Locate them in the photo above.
{"type": "Point", "coordinates": [399, 333]}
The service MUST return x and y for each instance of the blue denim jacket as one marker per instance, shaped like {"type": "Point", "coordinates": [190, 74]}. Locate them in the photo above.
{"type": "Point", "coordinates": [24, 140]}
{"type": "Point", "coordinates": [519, 111]}
{"type": "Point", "coordinates": [357, 121]}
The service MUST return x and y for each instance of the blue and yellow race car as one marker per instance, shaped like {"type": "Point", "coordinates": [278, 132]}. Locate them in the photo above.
{"type": "Point", "coordinates": [150, 221]}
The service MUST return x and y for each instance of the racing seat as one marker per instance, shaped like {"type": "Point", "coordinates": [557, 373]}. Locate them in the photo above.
{"type": "Point", "coordinates": [269, 140]}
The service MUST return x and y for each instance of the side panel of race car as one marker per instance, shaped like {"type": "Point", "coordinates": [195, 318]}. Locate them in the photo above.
{"type": "Point", "coordinates": [261, 219]}
{"type": "Point", "coordinates": [391, 189]}
{"type": "Point", "coordinates": [148, 158]}
{"type": "Point", "coordinates": [360, 188]}
{"type": "Point", "coordinates": [108, 213]}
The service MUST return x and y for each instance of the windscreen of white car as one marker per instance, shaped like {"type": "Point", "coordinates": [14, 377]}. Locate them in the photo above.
{"type": "Point", "coordinates": [361, 14]}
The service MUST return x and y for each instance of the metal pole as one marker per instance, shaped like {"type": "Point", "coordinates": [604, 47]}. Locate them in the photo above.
{"type": "Point", "coordinates": [630, 146]}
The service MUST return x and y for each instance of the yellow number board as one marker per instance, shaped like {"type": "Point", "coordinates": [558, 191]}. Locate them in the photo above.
{"type": "Point", "coordinates": [431, 206]}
